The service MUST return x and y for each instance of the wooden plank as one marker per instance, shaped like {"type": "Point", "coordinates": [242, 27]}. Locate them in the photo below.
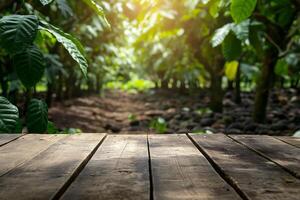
{"type": "Point", "coordinates": [294, 141]}
{"type": "Point", "coordinates": [277, 151]}
{"type": "Point", "coordinates": [257, 177]}
{"type": "Point", "coordinates": [180, 171]}
{"type": "Point", "coordinates": [118, 170]}
{"type": "Point", "coordinates": [7, 138]}
{"type": "Point", "coordinates": [23, 149]}
{"type": "Point", "coordinates": [45, 174]}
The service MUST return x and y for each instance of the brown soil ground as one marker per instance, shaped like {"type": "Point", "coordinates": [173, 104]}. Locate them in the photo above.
{"type": "Point", "coordinates": [120, 112]}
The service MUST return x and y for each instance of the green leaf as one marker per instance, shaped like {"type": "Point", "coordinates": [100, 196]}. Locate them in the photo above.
{"type": "Point", "coordinates": [37, 116]}
{"type": "Point", "coordinates": [19, 127]}
{"type": "Point", "coordinates": [94, 6]}
{"type": "Point", "coordinates": [17, 32]}
{"type": "Point", "coordinates": [45, 2]}
{"type": "Point", "coordinates": [98, 9]}
{"type": "Point", "coordinates": [214, 8]}
{"type": "Point", "coordinates": [231, 69]}
{"type": "Point", "coordinates": [51, 128]}
{"type": "Point", "coordinates": [241, 30]}
{"type": "Point", "coordinates": [3, 128]}
{"type": "Point", "coordinates": [256, 41]}
{"type": "Point", "coordinates": [231, 47]}
{"type": "Point", "coordinates": [9, 116]}
{"type": "Point", "coordinates": [282, 68]}
{"type": "Point", "coordinates": [72, 45]}
{"type": "Point", "coordinates": [64, 8]}
{"type": "Point", "coordinates": [242, 9]}
{"type": "Point", "coordinates": [221, 34]}
{"type": "Point", "coordinates": [29, 66]}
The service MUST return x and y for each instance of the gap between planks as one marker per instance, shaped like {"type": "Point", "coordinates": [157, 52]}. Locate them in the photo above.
{"type": "Point", "coordinates": [8, 138]}
{"type": "Point", "coordinates": [47, 172]}
{"type": "Point", "coordinates": [294, 141]}
{"type": "Point", "coordinates": [76, 172]}
{"type": "Point", "coordinates": [220, 171]}
{"type": "Point", "coordinates": [287, 158]}
{"type": "Point", "coordinates": [257, 177]}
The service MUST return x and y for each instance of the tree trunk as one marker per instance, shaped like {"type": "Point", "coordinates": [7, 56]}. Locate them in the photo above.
{"type": "Point", "coordinates": [3, 82]}
{"type": "Point", "coordinates": [49, 94]}
{"type": "Point", "coordinates": [98, 84]}
{"type": "Point", "coordinates": [59, 87]}
{"type": "Point", "coordinates": [164, 84]}
{"type": "Point", "coordinates": [230, 85]}
{"type": "Point", "coordinates": [237, 92]}
{"type": "Point", "coordinates": [216, 93]}
{"type": "Point", "coordinates": [263, 86]}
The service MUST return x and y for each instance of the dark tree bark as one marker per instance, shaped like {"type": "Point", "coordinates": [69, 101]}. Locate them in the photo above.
{"type": "Point", "coordinates": [3, 82]}
{"type": "Point", "coordinates": [165, 84]}
{"type": "Point", "coordinates": [216, 93]}
{"type": "Point", "coordinates": [230, 85]}
{"type": "Point", "coordinates": [263, 86]}
{"type": "Point", "coordinates": [49, 94]}
{"type": "Point", "coordinates": [237, 91]}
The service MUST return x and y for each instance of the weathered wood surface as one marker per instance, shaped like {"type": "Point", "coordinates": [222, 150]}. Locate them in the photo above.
{"type": "Point", "coordinates": [118, 170]}
{"type": "Point", "coordinates": [6, 138]}
{"type": "Point", "coordinates": [286, 156]}
{"type": "Point", "coordinates": [256, 177]}
{"type": "Point", "coordinates": [154, 167]}
{"type": "Point", "coordinates": [179, 171]}
{"type": "Point", "coordinates": [295, 141]}
{"type": "Point", "coordinates": [46, 173]}
{"type": "Point", "coordinates": [24, 149]}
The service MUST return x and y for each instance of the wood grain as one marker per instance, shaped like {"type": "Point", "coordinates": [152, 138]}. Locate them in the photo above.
{"type": "Point", "coordinates": [45, 174]}
{"type": "Point", "coordinates": [257, 177]}
{"type": "Point", "coordinates": [180, 171]}
{"type": "Point", "coordinates": [118, 170]}
{"type": "Point", "coordinates": [279, 152]}
{"type": "Point", "coordinates": [295, 141]}
{"type": "Point", "coordinates": [24, 149]}
{"type": "Point", "coordinates": [6, 138]}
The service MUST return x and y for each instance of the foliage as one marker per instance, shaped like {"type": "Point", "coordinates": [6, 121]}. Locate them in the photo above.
{"type": "Point", "coordinates": [231, 69]}
{"type": "Point", "coordinates": [159, 125]}
{"type": "Point", "coordinates": [37, 116]}
{"type": "Point", "coordinates": [181, 45]}
{"type": "Point", "coordinates": [26, 39]}
{"type": "Point", "coordinates": [242, 9]}
{"type": "Point", "coordinates": [9, 115]}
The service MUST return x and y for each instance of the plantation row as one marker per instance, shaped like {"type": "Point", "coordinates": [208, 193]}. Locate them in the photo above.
{"type": "Point", "coordinates": [189, 44]}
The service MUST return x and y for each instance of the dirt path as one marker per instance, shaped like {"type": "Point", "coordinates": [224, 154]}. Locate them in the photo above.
{"type": "Point", "coordinates": [131, 113]}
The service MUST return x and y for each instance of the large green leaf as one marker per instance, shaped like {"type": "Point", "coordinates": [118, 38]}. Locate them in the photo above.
{"type": "Point", "coordinates": [37, 116]}
{"type": "Point", "coordinates": [17, 32]}
{"type": "Point", "coordinates": [3, 128]}
{"type": "Point", "coordinates": [94, 6]}
{"type": "Point", "coordinates": [98, 9]}
{"type": "Point", "coordinates": [241, 30]}
{"type": "Point", "coordinates": [221, 34]}
{"type": "Point", "coordinates": [9, 116]}
{"type": "Point", "coordinates": [64, 8]}
{"type": "Point", "coordinates": [231, 47]}
{"type": "Point", "coordinates": [282, 68]}
{"type": "Point", "coordinates": [30, 66]}
{"type": "Point", "coordinates": [45, 2]}
{"type": "Point", "coordinates": [231, 69]}
{"type": "Point", "coordinates": [72, 45]}
{"type": "Point", "coordinates": [242, 9]}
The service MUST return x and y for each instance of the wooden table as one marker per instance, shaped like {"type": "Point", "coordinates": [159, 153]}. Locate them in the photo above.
{"type": "Point", "coordinates": [162, 167]}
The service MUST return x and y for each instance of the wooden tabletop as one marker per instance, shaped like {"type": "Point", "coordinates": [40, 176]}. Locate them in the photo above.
{"type": "Point", "coordinates": [160, 167]}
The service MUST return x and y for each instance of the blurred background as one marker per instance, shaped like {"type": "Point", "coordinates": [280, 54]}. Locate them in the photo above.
{"type": "Point", "coordinates": [166, 66]}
